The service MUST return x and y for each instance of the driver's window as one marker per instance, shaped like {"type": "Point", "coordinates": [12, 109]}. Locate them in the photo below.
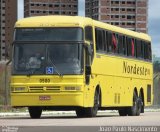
{"type": "Point", "coordinates": [89, 34]}
{"type": "Point", "coordinates": [89, 37]}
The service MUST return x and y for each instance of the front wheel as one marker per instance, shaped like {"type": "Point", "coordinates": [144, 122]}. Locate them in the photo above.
{"type": "Point", "coordinates": [92, 111]}
{"type": "Point", "coordinates": [80, 112]}
{"type": "Point", "coordinates": [35, 112]}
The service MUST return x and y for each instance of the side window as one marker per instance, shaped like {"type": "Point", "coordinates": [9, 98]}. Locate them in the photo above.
{"type": "Point", "coordinates": [149, 51]}
{"type": "Point", "coordinates": [89, 33]}
{"type": "Point", "coordinates": [129, 46]}
{"type": "Point", "coordinates": [146, 51]}
{"type": "Point", "coordinates": [104, 46]}
{"type": "Point", "coordinates": [109, 41]}
{"type": "Point", "coordinates": [133, 45]}
{"type": "Point", "coordinates": [139, 49]}
{"type": "Point", "coordinates": [114, 42]}
{"type": "Point", "coordinates": [124, 45]}
{"type": "Point", "coordinates": [142, 49]}
{"type": "Point", "coordinates": [100, 40]}
{"type": "Point", "coordinates": [120, 45]}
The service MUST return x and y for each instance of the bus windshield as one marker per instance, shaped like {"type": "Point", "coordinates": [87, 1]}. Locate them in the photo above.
{"type": "Point", "coordinates": [48, 34]}
{"type": "Point", "coordinates": [38, 59]}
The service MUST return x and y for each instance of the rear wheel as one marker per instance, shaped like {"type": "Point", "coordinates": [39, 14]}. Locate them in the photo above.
{"type": "Point", "coordinates": [35, 112]}
{"type": "Point", "coordinates": [134, 109]}
{"type": "Point", "coordinates": [123, 112]}
{"type": "Point", "coordinates": [142, 102]}
{"type": "Point", "coordinates": [139, 105]}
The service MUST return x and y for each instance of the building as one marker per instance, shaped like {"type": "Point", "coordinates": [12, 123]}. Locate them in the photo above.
{"type": "Point", "coordinates": [8, 17]}
{"type": "Point", "coordinates": [130, 14]}
{"type": "Point", "coordinates": [50, 7]}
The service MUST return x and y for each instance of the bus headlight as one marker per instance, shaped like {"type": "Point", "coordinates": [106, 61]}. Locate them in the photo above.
{"type": "Point", "coordinates": [18, 89]}
{"type": "Point", "coordinates": [72, 88]}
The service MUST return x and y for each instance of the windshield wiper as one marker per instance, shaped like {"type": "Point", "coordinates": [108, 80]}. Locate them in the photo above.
{"type": "Point", "coordinates": [51, 61]}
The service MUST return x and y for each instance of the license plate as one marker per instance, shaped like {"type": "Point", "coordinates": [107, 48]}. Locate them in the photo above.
{"type": "Point", "coordinates": [44, 97]}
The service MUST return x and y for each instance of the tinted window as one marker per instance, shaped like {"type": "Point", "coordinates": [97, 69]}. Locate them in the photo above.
{"type": "Point", "coordinates": [133, 45]}
{"type": "Point", "coordinates": [147, 51]}
{"type": "Point", "coordinates": [142, 49]}
{"type": "Point", "coordinates": [49, 34]}
{"type": "Point", "coordinates": [99, 45]}
{"type": "Point", "coordinates": [139, 49]}
{"type": "Point", "coordinates": [101, 40]}
{"type": "Point", "coordinates": [62, 58]}
{"type": "Point", "coordinates": [88, 33]}
{"type": "Point", "coordinates": [109, 40]}
{"type": "Point", "coordinates": [129, 46]}
{"type": "Point", "coordinates": [120, 45]}
{"type": "Point", "coordinates": [114, 42]}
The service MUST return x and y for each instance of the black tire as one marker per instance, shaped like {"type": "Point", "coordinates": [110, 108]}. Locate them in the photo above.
{"type": "Point", "coordinates": [142, 102]}
{"type": "Point", "coordinates": [123, 112]}
{"type": "Point", "coordinates": [35, 112]}
{"type": "Point", "coordinates": [139, 105]}
{"type": "Point", "coordinates": [132, 111]}
{"type": "Point", "coordinates": [80, 112]}
{"type": "Point", "coordinates": [92, 111]}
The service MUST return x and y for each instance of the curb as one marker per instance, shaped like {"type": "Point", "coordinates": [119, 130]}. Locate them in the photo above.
{"type": "Point", "coordinates": [8, 114]}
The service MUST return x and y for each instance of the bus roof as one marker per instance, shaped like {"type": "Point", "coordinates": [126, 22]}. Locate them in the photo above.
{"type": "Point", "coordinates": [53, 21]}
{"type": "Point", "coordinates": [74, 21]}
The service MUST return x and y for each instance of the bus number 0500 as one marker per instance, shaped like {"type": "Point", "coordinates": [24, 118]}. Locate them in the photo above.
{"type": "Point", "coordinates": [44, 80]}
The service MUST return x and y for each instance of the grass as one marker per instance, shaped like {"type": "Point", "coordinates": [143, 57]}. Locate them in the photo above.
{"type": "Point", "coordinates": [10, 109]}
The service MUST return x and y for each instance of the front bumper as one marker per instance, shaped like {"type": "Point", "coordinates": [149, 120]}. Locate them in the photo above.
{"type": "Point", "coordinates": [47, 99]}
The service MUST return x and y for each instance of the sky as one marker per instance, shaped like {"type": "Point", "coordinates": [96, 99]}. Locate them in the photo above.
{"type": "Point", "coordinates": [154, 25]}
{"type": "Point", "coordinates": [153, 21]}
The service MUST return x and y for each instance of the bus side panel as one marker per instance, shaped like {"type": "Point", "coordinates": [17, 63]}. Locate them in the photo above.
{"type": "Point", "coordinates": [118, 77]}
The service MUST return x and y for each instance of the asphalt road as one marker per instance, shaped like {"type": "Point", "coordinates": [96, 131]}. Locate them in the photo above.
{"type": "Point", "coordinates": [110, 121]}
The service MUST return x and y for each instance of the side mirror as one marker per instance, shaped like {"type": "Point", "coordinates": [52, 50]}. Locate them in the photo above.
{"type": "Point", "coordinates": [88, 49]}
{"type": "Point", "coordinates": [88, 70]}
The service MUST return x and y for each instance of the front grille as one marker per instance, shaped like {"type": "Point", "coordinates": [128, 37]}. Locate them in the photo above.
{"type": "Point", "coordinates": [53, 88]}
{"type": "Point", "coordinates": [44, 89]}
{"type": "Point", "coordinates": [36, 89]}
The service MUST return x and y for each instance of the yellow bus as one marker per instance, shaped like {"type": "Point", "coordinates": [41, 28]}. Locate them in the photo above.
{"type": "Point", "coordinates": [76, 63]}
